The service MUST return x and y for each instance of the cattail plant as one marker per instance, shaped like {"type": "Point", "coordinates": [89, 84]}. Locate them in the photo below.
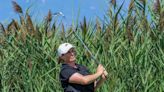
{"type": "Point", "coordinates": [129, 28]}
{"type": "Point", "coordinates": [156, 6]}
{"type": "Point", "coordinates": [113, 2]}
{"type": "Point", "coordinates": [49, 16]}
{"type": "Point", "coordinates": [12, 28]}
{"type": "Point", "coordinates": [2, 28]}
{"type": "Point", "coordinates": [161, 21]}
{"type": "Point", "coordinates": [30, 25]}
{"type": "Point", "coordinates": [17, 8]}
{"type": "Point", "coordinates": [23, 26]}
{"type": "Point", "coordinates": [30, 64]}
{"type": "Point", "coordinates": [159, 13]}
{"type": "Point", "coordinates": [38, 33]}
{"type": "Point", "coordinates": [84, 27]}
{"type": "Point", "coordinates": [2, 33]}
{"type": "Point", "coordinates": [48, 21]}
{"type": "Point", "coordinates": [63, 34]}
{"type": "Point", "coordinates": [131, 6]}
{"type": "Point", "coordinates": [98, 26]}
{"type": "Point", "coordinates": [142, 6]}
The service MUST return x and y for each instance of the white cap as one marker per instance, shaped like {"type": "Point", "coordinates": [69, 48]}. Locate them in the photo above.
{"type": "Point", "coordinates": [64, 48]}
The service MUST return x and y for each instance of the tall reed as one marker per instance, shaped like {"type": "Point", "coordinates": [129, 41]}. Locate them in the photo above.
{"type": "Point", "coordinates": [131, 47]}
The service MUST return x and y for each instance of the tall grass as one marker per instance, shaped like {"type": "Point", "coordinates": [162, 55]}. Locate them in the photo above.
{"type": "Point", "coordinates": [131, 48]}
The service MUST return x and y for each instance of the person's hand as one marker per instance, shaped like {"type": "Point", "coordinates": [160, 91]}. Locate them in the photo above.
{"type": "Point", "coordinates": [104, 75]}
{"type": "Point", "coordinates": [100, 69]}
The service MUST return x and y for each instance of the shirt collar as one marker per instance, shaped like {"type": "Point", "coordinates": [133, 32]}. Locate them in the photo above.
{"type": "Point", "coordinates": [67, 65]}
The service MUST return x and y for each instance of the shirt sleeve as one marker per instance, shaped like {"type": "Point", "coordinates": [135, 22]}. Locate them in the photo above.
{"type": "Point", "coordinates": [85, 69]}
{"type": "Point", "coordinates": [67, 73]}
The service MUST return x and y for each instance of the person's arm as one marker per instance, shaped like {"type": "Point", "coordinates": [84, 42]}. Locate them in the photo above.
{"type": "Point", "coordinates": [87, 79]}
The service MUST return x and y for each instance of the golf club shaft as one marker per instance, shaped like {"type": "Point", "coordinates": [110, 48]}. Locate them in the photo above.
{"type": "Point", "coordinates": [87, 48]}
{"type": "Point", "coordinates": [94, 59]}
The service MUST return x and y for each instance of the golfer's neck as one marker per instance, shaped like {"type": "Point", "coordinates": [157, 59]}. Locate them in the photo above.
{"type": "Point", "coordinates": [72, 64]}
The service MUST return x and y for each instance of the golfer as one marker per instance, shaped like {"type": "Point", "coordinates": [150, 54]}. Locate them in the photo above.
{"type": "Point", "coordinates": [75, 77]}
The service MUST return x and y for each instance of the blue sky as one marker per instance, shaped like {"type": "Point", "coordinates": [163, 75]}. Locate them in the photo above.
{"type": "Point", "coordinates": [70, 8]}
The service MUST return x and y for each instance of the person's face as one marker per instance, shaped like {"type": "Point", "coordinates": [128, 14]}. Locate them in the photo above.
{"type": "Point", "coordinates": [69, 56]}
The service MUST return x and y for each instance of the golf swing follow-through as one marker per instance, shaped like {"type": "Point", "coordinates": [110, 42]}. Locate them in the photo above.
{"type": "Point", "coordinates": [75, 77]}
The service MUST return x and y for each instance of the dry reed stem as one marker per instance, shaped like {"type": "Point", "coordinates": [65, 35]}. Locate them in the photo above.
{"type": "Point", "coordinates": [113, 2]}
{"type": "Point", "coordinates": [63, 31]}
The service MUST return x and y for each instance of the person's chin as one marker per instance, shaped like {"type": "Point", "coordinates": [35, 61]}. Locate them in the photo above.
{"type": "Point", "coordinates": [73, 59]}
